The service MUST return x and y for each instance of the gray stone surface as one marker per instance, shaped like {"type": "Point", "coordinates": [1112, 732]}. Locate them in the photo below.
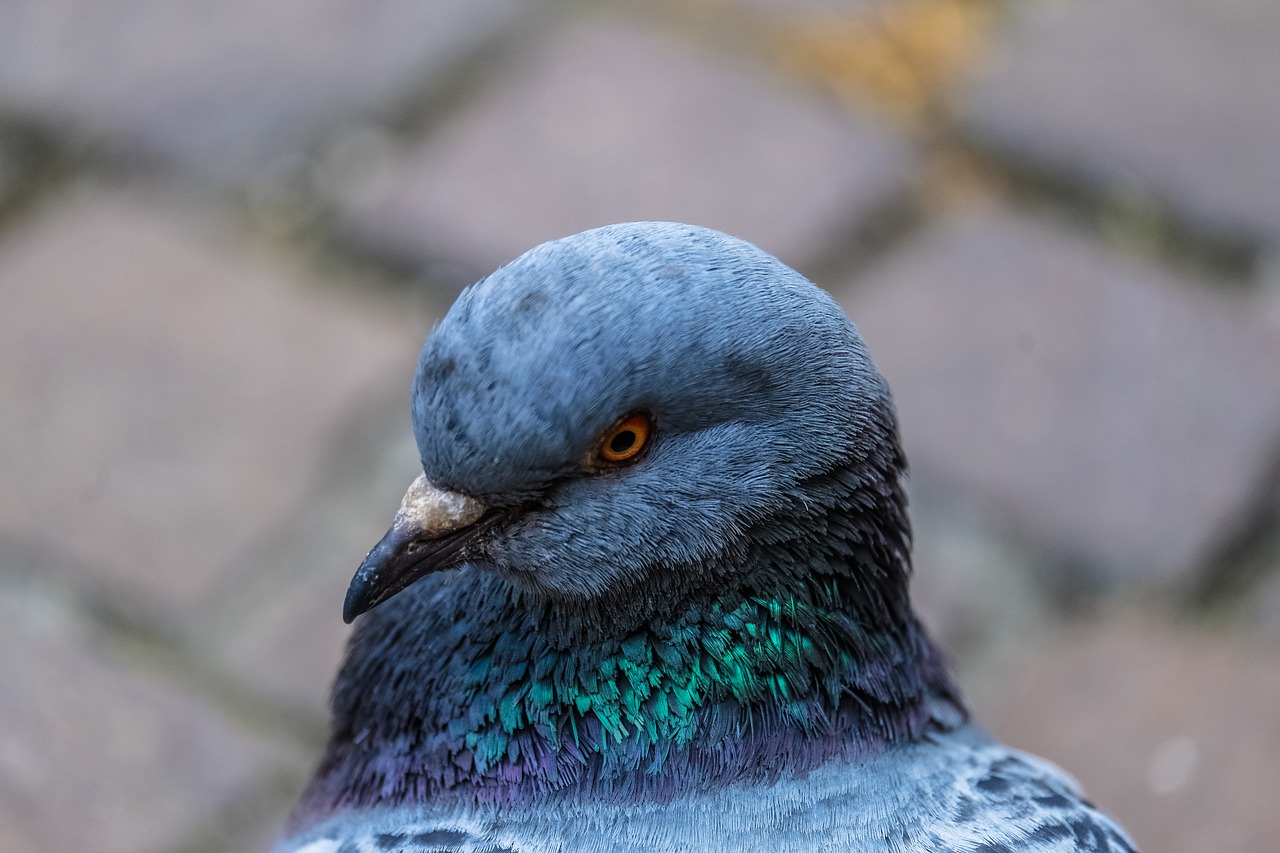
{"type": "Point", "coordinates": [603, 124]}
{"type": "Point", "coordinates": [799, 9]}
{"type": "Point", "coordinates": [1174, 98]}
{"type": "Point", "coordinates": [232, 88]}
{"type": "Point", "coordinates": [282, 631]}
{"type": "Point", "coordinates": [1170, 728]}
{"type": "Point", "coordinates": [1117, 414]}
{"type": "Point", "coordinates": [8, 173]}
{"type": "Point", "coordinates": [975, 592]}
{"type": "Point", "coordinates": [95, 755]}
{"type": "Point", "coordinates": [1262, 602]}
{"type": "Point", "coordinates": [169, 394]}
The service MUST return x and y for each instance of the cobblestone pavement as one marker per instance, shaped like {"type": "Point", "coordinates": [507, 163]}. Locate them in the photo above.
{"type": "Point", "coordinates": [225, 231]}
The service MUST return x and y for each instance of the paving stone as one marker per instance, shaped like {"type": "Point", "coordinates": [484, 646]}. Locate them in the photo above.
{"type": "Point", "coordinates": [290, 647]}
{"type": "Point", "coordinates": [974, 590]}
{"type": "Point", "coordinates": [604, 123]}
{"type": "Point", "coordinates": [266, 829]}
{"type": "Point", "coordinates": [8, 173]}
{"type": "Point", "coordinates": [240, 85]}
{"type": "Point", "coordinates": [1115, 413]}
{"type": "Point", "coordinates": [902, 56]}
{"type": "Point", "coordinates": [791, 9]}
{"type": "Point", "coordinates": [169, 394]}
{"type": "Point", "coordinates": [95, 755]}
{"type": "Point", "coordinates": [1262, 607]}
{"type": "Point", "coordinates": [1172, 730]}
{"type": "Point", "coordinates": [1175, 98]}
{"type": "Point", "coordinates": [282, 631]}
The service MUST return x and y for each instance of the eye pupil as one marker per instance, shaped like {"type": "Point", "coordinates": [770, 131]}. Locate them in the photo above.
{"type": "Point", "coordinates": [622, 442]}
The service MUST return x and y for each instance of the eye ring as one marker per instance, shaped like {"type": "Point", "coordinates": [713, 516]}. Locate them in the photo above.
{"type": "Point", "coordinates": [626, 438]}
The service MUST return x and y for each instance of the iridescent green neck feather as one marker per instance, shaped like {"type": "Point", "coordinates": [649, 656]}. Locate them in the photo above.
{"type": "Point", "coordinates": [798, 647]}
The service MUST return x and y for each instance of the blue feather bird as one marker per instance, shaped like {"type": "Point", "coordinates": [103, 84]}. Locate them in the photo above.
{"type": "Point", "coordinates": [650, 591]}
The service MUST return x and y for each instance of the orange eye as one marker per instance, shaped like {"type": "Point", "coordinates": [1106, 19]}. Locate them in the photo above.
{"type": "Point", "coordinates": [623, 441]}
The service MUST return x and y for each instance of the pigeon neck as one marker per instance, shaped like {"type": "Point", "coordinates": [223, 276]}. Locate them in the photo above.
{"type": "Point", "coordinates": [810, 652]}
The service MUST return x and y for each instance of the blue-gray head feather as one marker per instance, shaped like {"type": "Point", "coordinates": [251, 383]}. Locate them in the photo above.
{"type": "Point", "coordinates": [755, 378]}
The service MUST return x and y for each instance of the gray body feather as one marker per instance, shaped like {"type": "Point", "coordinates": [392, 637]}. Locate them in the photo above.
{"type": "Point", "coordinates": [955, 792]}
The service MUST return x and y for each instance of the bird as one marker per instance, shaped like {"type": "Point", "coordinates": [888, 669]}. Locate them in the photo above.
{"type": "Point", "coordinates": [650, 588]}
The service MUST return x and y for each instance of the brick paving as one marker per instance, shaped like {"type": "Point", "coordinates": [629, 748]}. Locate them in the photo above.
{"type": "Point", "coordinates": [1168, 724]}
{"type": "Point", "coordinates": [281, 631]}
{"type": "Point", "coordinates": [98, 754]}
{"type": "Point", "coordinates": [205, 422]}
{"type": "Point", "coordinates": [1098, 374]}
{"type": "Point", "coordinates": [8, 173]}
{"type": "Point", "coordinates": [234, 93]}
{"type": "Point", "coordinates": [552, 150]}
{"type": "Point", "coordinates": [147, 369]}
{"type": "Point", "coordinates": [1182, 109]}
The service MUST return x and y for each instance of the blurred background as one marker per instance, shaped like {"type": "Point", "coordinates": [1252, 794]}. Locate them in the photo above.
{"type": "Point", "coordinates": [226, 228]}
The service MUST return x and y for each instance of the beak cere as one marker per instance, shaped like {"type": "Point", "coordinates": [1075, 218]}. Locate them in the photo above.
{"type": "Point", "coordinates": [430, 528]}
{"type": "Point", "coordinates": [435, 512]}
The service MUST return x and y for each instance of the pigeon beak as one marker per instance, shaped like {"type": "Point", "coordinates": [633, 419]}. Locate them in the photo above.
{"type": "Point", "coordinates": [430, 528]}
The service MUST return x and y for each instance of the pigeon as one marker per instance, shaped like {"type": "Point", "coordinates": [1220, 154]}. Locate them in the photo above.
{"type": "Point", "coordinates": [650, 591]}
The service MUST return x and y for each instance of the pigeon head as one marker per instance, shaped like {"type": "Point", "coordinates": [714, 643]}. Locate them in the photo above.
{"type": "Point", "coordinates": [615, 409]}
